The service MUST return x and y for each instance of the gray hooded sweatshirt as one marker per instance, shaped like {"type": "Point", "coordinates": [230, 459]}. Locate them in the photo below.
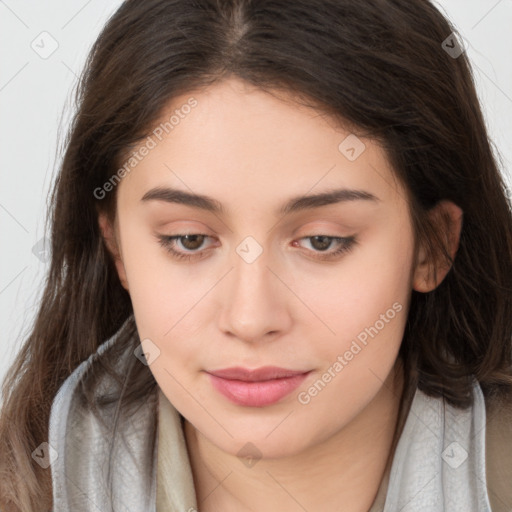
{"type": "Point", "coordinates": [438, 465]}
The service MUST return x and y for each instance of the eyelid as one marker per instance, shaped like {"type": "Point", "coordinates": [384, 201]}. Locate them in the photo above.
{"type": "Point", "coordinates": [325, 227]}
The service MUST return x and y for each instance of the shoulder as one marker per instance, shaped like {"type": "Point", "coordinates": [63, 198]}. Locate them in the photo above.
{"type": "Point", "coordinates": [498, 454]}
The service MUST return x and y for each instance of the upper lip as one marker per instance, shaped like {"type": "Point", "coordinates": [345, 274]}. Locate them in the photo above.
{"type": "Point", "coordinates": [258, 374]}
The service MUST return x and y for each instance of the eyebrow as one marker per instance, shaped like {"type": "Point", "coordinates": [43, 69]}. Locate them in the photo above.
{"type": "Point", "coordinates": [295, 204]}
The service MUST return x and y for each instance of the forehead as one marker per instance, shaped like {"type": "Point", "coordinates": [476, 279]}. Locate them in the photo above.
{"type": "Point", "coordinates": [237, 143]}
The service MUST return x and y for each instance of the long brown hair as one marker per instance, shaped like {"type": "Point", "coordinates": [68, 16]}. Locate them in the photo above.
{"type": "Point", "coordinates": [379, 66]}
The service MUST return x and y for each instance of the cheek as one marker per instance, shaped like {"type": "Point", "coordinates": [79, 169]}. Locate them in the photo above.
{"type": "Point", "coordinates": [168, 302]}
{"type": "Point", "coordinates": [160, 290]}
{"type": "Point", "coordinates": [365, 299]}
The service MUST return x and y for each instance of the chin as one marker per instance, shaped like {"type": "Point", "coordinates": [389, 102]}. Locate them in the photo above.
{"type": "Point", "coordinates": [265, 441]}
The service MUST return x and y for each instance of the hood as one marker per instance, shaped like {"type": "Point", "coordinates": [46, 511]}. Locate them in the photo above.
{"type": "Point", "coordinates": [92, 470]}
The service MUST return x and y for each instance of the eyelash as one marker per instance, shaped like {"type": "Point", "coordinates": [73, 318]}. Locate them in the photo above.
{"type": "Point", "coordinates": [167, 242]}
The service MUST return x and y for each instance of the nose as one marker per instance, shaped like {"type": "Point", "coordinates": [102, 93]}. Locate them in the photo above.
{"type": "Point", "coordinates": [256, 304]}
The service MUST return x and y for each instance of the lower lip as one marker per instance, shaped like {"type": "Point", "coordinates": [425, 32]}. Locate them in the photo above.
{"type": "Point", "coordinates": [257, 394]}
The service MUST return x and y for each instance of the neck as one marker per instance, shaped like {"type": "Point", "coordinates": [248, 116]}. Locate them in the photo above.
{"type": "Point", "coordinates": [347, 469]}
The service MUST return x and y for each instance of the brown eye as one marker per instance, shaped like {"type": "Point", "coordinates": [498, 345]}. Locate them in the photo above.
{"type": "Point", "coordinates": [320, 244]}
{"type": "Point", "coordinates": [190, 245]}
{"type": "Point", "coordinates": [192, 242]}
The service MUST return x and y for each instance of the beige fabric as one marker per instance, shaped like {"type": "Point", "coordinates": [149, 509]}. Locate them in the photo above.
{"type": "Point", "coordinates": [174, 462]}
{"type": "Point", "coordinates": [498, 455]}
{"type": "Point", "coordinates": [175, 484]}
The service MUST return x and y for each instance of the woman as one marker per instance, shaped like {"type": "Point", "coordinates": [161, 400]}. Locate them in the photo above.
{"type": "Point", "coordinates": [281, 272]}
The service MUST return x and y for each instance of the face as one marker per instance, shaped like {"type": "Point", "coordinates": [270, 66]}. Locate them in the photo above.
{"type": "Point", "coordinates": [321, 288]}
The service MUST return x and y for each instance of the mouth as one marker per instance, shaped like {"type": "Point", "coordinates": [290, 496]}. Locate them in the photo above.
{"type": "Point", "coordinates": [256, 388]}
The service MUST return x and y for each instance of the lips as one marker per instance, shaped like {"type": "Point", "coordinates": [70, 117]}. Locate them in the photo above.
{"type": "Point", "coordinates": [258, 374]}
{"type": "Point", "coordinates": [256, 388]}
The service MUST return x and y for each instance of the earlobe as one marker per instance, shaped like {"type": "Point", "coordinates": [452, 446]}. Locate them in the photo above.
{"type": "Point", "coordinates": [429, 272]}
{"type": "Point", "coordinates": [110, 239]}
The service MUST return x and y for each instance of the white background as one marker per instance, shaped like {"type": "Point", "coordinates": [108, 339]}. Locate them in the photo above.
{"type": "Point", "coordinates": [35, 107]}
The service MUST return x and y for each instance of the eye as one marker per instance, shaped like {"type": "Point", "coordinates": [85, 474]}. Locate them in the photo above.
{"type": "Point", "coordinates": [191, 244]}
{"type": "Point", "coordinates": [321, 244]}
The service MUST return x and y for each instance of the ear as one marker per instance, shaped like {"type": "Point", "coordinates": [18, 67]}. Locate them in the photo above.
{"type": "Point", "coordinates": [110, 238]}
{"type": "Point", "coordinates": [430, 271]}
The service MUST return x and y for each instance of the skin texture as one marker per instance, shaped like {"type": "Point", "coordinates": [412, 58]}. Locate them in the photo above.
{"type": "Point", "coordinates": [252, 151]}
